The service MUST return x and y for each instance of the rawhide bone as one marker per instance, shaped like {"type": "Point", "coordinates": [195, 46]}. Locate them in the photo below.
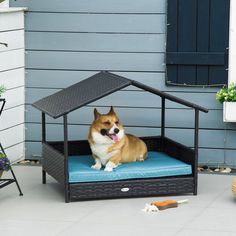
{"type": "Point", "coordinates": [168, 204]}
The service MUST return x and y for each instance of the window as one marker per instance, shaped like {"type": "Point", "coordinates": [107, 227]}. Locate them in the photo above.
{"type": "Point", "coordinates": [197, 42]}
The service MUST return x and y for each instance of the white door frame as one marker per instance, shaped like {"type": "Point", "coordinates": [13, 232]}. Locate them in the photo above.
{"type": "Point", "coordinates": [232, 43]}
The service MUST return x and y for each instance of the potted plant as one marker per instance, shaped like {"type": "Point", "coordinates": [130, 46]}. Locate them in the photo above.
{"type": "Point", "coordinates": [2, 88]}
{"type": "Point", "coordinates": [227, 96]}
{"type": "Point", "coordinates": [5, 164]}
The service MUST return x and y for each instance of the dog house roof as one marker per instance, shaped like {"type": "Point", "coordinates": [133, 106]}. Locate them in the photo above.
{"type": "Point", "coordinates": [92, 89]}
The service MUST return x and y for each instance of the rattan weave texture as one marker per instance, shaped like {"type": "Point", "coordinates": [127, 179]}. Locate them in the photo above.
{"type": "Point", "coordinates": [132, 188]}
{"type": "Point", "coordinates": [80, 94]}
{"type": "Point", "coordinates": [53, 163]}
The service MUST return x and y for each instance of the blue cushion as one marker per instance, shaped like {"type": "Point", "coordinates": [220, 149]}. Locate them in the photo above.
{"type": "Point", "coordinates": [158, 164]}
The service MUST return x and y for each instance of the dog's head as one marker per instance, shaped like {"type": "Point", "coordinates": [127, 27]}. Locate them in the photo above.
{"type": "Point", "coordinates": [106, 128]}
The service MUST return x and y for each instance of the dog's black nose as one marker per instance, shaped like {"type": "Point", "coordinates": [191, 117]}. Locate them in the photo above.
{"type": "Point", "coordinates": [116, 131]}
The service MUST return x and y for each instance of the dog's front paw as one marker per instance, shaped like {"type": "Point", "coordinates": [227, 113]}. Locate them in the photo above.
{"type": "Point", "coordinates": [110, 166]}
{"type": "Point", "coordinates": [96, 166]}
{"type": "Point", "coordinates": [108, 169]}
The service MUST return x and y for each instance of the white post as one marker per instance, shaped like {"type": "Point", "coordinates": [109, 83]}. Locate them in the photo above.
{"type": "Point", "coordinates": [232, 43]}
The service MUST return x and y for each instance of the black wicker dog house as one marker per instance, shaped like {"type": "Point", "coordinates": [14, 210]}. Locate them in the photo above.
{"type": "Point", "coordinates": [56, 154]}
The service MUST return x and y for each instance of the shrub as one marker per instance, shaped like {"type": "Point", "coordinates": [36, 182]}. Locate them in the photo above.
{"type": "Point", "coordinates": [4, 162]}
{"type": "Point", "coordinates": [227, 94]}
{"type": "Point", "coordinates": [2, 89]}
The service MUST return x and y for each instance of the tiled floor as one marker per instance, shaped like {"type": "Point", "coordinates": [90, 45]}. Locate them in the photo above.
{"type": "Point", "coordinates": [42, 211]}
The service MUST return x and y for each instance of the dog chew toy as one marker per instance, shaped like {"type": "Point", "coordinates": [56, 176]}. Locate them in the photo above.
{"type": "Point", "coordinates": [234, 187]}
{"type": "Point", "coordinates": [159, 206]}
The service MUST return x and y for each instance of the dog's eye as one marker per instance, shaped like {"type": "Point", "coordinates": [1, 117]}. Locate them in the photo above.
{"type": "Point", "coordinates": [107, 123]}
{"type": "Point", "coordinates": [117, 122]}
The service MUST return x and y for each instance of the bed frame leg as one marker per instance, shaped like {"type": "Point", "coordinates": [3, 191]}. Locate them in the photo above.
{"type": "Point", "coordinates": [43, 176]}
{"type": "Point", "coordinates": [67, 199]}
{"type": "Point", "coordinates": [195, 188]}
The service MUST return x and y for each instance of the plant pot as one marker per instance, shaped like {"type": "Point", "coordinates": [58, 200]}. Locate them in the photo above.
{"type": "Point", "coordinates": [1, 172]}
{"type": "Point", "coordinates": [4, 4]}
{"type": "Point", "coordinates": [229, 111]}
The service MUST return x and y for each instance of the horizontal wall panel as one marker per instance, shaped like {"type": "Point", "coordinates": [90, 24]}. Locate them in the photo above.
{"type": "Point", "coordinates": [139, 117]}
{"type": "Point", "coordinates": [12, 117]}
{"type": "Point", "coordinates": [145, 99]}
{"type": "Point", "coordinates": [112, 23]}
{"type": "Point", "coordinates": [63, 79]}
{"type": "Point", "coordinates": [220, 157]}
{"type": "Point", "coordinates": [207, 156]}
{"type": "Point", "coordinates": [207, 138]}
{"type": "Point", "coordinates": [14, 97]}
{"type": "Point", "coordinates": [157, 80]}
{"type": "Point", "coordinates": [230, 157]}
{"type": "Point", "coordinates": [33, 151]}
{"type": "Point", "coordinates": [211, 156]}
{"type": "Point", "coordinates": [11, 21]}
{"type": "Point", "coordinates": [13, 78]}
{"type": "Point", "coordinates": [95, 61]}
{"type": "Point", "coordinates": [76, 132]}
{"type": "Point", "coordinates": [120, 98]}
{"type": "Point", "coordinates": [84, 115]}
{"type": "Point", "coordinates": [135, 99]}
{"type": "Point", "coordinates": [13, 39]}
{"type": "Point", "coordinates": [95, 42]}
{"type": "Point", "coordinates": [16, 153]}
{"type": "Point", "coordinates": [113, 6]}
{"type": "Point", "coordinates": [12, 59]}
{"type": "Point", "coordinates": [8, 139]}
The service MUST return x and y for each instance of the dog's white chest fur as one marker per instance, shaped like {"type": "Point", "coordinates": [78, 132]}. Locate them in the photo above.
{"type": "Point", "coordinates": [101, 151]}
{"type": "Point", "coordinates": [100, 147]}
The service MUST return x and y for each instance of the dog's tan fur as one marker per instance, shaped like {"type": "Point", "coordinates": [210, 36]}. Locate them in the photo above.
{"type": "Point", "coordinates": [126, 149]}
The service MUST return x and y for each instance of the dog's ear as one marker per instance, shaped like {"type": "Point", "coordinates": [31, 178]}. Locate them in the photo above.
{"type": "Point", "coordinates": [111, 112]}
{"type": "Point", "coordinates": [96, 114]}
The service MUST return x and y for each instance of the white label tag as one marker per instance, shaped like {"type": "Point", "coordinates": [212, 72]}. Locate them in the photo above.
{"type": "Point", "coordinates": [124, 189]}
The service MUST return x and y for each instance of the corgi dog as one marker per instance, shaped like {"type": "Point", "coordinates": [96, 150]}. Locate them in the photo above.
{"type": "Point", "coordinates": [110, 145]}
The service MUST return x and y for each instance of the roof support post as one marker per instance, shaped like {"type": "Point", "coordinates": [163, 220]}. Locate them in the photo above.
{"type": "Point", "coordinates": [163, 109]}
{"type": "Point", "coordinates": [43, 141]}
{"type": "Point", "coordinates": [196, 133]}
{"type": "Point", "coordinates": [43, 128]}
{"type": "Point", "coordinates": [65, 123]}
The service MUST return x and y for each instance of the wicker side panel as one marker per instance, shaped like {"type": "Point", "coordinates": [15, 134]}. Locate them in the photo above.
{"type": "Point", "coordinates": [131, 188]}
{"type": "Point", "coordinates": [53, 163]}
{"type": "Point", "coordinates": [75, 147]}
{"type": "Point", "coordinates": [153, 143]}
{"type": "Point", "coordinates": [179, 151]}
{"type": "Point", "coordinates": [82, 147]}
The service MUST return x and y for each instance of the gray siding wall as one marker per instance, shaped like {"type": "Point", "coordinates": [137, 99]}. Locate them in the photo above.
{"type": "Point", "coordinates": [12, 77]}
{"type": "Point", "coordinates": [69, 40]}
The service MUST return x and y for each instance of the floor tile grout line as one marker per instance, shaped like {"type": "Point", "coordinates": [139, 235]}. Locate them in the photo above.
{"type": "Point", "coordinates": [210, 230]}
{"type": "Point", "coordinates": [81, 218]}
{"type": "Point", "coordinates": [196, 216]}
{"type": "Point", "coordinates": [217, 197]}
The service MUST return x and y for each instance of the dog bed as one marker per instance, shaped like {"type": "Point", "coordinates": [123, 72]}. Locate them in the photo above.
{"type": "Point", "coordinates": [158, 164]}
{"type": "Point", "coordinates": [60, 158]}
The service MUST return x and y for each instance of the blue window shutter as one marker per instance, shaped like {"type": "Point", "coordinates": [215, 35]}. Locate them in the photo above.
{"type": "Point", "coordinates": [197, 42]}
